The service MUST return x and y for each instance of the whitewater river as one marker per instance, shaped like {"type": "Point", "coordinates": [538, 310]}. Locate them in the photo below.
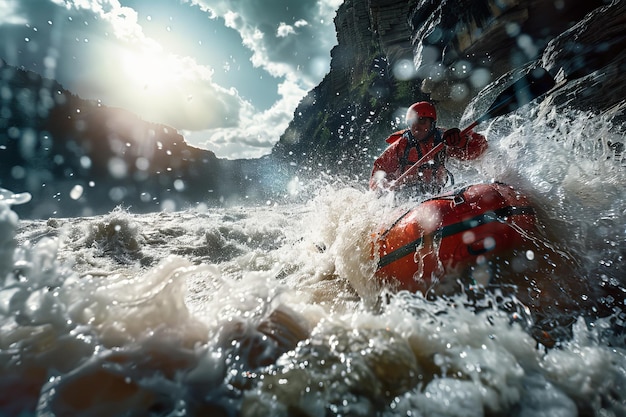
{"type": "Point", "coordinates": [273, 309]}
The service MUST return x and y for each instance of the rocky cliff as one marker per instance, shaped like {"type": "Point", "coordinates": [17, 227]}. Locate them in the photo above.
{"type": "Point", "coordinates": [391, 53]}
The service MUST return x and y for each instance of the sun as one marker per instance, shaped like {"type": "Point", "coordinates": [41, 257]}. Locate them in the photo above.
{"type": "Point", "coordinates": [152, 71]}
{"type": "Point", "coordinates": [160, 86]}
{"type": "Point", "coordinates": [156, 85]}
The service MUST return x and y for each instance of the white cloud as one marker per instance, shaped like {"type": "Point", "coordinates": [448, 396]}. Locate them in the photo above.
{"type": "Point", "coordinates": [257, 132]}
{"type": "Point", "coordinates": [301, 23]}
{"type": "Point", "coordinates": [264, 28]}
{"type": "Point", "coordinates": [284, 30]}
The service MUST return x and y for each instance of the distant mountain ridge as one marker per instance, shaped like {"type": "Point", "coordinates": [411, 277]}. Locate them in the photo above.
{"type": "Point", "coordinates": [79, 157]}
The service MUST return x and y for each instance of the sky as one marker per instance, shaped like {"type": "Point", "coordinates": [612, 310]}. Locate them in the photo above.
{"type": "Point", "coordinates": [227, 74]}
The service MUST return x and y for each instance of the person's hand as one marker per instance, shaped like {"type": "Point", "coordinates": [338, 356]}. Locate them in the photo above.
{"type": "Point", "coordinates": [452, 137]}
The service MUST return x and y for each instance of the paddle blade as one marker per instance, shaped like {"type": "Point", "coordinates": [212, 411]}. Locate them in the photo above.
{"type": "Point", "coordinates": [531, 86]}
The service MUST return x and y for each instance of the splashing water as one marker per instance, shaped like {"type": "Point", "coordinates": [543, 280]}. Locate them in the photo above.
{"type": "Point", "coordinates": [274, 310]}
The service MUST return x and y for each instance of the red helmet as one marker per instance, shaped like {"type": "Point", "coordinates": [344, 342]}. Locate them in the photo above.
{"type": "Point", "coordinates": [420, 109]}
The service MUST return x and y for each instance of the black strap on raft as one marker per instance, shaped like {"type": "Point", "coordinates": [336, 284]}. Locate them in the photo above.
{"type": "Point", "coordinates": [499, 215]}
{"type": "Point", "coordinates": [455, 196]}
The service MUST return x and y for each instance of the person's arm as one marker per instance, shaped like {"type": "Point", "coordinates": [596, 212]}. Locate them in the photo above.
{"type": "Point", "coordinates": [385, 169]}
{"type": "Point", "coordinates": [464, 147]}
{"type": "Point", "coordinates": [379, 180]}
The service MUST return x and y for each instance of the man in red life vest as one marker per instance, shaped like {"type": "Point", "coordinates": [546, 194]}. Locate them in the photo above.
{"type": "Point", "coordinates": [409, 145]}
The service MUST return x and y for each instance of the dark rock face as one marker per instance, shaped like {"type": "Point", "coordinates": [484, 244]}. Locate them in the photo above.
{"type": "Point", "coordinates": [460, 36]}
{"type": "Point", "coordinates": [393, 53]}
{"type": "Point", "coordinates": [592, 52]}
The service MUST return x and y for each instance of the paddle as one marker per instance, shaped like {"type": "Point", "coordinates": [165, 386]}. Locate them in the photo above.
{"type": "Point", "coordinates": [531, 86]}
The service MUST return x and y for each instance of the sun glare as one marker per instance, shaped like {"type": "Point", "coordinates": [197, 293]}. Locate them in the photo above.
{"type": "Point", "coordinates": [150, 70]}
{"type": "Point", "coordinates": [155, 85]}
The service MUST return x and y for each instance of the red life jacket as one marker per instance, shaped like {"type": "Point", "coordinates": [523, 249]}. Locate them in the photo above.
{"type": "Point", "coordinates": [433, 172]}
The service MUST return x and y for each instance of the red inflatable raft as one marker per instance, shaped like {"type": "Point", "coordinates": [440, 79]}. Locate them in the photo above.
{"type": "Point", "coordinates": [451, 233]}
